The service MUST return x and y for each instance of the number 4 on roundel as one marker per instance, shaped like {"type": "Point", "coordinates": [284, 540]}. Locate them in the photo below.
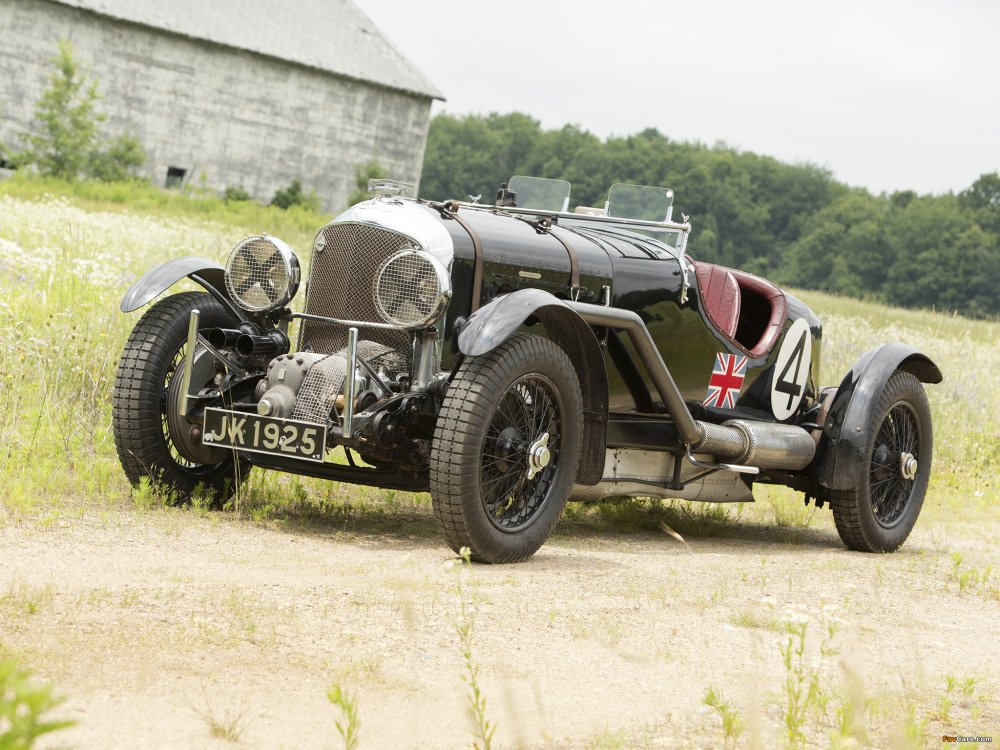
{"type": "Point", "coordinates": [791, 370]}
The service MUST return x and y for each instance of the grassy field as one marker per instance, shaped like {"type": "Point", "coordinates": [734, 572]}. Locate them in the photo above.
{"type": "Point", "coordinates": [67, 253]}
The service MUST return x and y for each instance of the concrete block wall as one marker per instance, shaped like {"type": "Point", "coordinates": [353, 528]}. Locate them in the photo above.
{"type": "Point", "coordinates": [226, 117]}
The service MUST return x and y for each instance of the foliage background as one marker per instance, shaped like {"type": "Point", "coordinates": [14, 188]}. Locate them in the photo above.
{"type": "Point", "coordinates": [793, 223]}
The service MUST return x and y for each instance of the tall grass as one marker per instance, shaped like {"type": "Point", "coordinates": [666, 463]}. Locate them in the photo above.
{"type": "Point", "coordinates": [64, 266]}
{"type": "Point", "coordinates": [964, 406]}
{"type": "Point", "coordinates": [25, 706]}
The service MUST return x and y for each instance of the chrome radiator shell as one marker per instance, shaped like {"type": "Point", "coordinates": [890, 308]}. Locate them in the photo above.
{"type": "Point", "coordinates": [347, 254]}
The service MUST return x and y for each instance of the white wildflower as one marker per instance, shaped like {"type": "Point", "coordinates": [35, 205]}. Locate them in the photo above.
{"type": "Point", "coordinates": [793, 617]}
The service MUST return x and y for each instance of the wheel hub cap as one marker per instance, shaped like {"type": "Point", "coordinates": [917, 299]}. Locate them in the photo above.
{"type": "Point", "coordinates": [538, 455]}
{"type": "Point", "coordinates": [907, 465]}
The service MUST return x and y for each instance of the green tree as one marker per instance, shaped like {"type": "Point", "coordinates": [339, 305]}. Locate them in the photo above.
{"type": "Point", "coordinates": [67, 131]}
{"type": "Point", "coordinates": [982, 200]}
{"type": "Point", "coordinates": [844, 248]}
{"type": "Point", "coordinates": [472, 155]}
{"type": "Point", "coordinates": [790, 222]}
{"type": "Point", "coordinates": [960, 273]}
{"type": "Point", "coordinates": [67, 141]}
{"type": "Point", "coordinates": [984, 193]}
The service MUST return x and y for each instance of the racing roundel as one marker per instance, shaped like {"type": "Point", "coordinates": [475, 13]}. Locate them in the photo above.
{"type": "Point", "coordinates": [791, 370]}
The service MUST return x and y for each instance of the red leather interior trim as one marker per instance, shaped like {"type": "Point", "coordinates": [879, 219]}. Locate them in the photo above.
{"type": "Point", "coordinates": [721, 296]}
{"type": "Point", "coordinates": [779, 308]}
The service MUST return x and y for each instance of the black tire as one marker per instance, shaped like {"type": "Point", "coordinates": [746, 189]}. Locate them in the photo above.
{"type": "Point", "coordinates": [497, 407]}
{"type": "Point", "coordinates": [152, 356]}
{"type": "Point", "coordinates": [880, 513]}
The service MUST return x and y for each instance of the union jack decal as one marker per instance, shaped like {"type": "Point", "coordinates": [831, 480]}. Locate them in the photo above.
{"type": "Point", "coordinates": [727, 379]}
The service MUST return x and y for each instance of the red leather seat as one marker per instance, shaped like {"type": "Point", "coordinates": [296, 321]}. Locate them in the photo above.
{"type": "Point", "coordinates": [720, 295]}
{"type": "Point", "coordinates": [722, 290]}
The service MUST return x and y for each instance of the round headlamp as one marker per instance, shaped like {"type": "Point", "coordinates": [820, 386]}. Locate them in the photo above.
{"type": "Point", "coordinates": [262, 274]}
{"type": "Point", "coordinates": [412, 289]}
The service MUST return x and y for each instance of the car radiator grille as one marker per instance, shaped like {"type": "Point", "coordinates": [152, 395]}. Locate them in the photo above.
{"type": "Point", "coordinates": [341, 286]}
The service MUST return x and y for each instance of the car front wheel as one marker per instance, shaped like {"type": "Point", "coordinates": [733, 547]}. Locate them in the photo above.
{"type": "Point", "coordinates": [152, 438]}
{"type": "Point", "coordinates": [506, 449]}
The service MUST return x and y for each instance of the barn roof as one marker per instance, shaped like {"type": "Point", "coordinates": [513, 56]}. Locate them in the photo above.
{"type": "Point", "coordinates": [330, 35]}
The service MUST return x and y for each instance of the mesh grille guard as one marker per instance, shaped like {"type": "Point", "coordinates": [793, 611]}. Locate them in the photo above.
{"type": "Point", "coordinates": [345, 259]}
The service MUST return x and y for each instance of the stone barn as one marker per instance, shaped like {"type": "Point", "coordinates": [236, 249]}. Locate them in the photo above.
{"type": "Point", "coordinates": [227, 93]}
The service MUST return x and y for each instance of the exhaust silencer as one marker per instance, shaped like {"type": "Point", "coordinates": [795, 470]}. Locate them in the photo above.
{"type": "Point", "coordinates": [765, 445]}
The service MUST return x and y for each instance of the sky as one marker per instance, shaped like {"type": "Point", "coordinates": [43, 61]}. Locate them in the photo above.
{"type": "Point", "coordinates": [886, 94]}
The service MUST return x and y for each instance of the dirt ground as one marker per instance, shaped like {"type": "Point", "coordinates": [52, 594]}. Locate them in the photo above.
{"type": "Point", "coordinates": [170, 628]}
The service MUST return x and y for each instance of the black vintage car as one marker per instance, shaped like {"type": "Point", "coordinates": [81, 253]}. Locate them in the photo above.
{"type": "Point", "coordinates": [509, 358]}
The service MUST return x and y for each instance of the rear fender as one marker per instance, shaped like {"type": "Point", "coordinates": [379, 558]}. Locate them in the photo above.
{"type": "Point", "coordinates": [497, 321]}
{"type": "Point", "coordinates": [208, 274]}
{"type": "Point", "coordinates": [840, 457]}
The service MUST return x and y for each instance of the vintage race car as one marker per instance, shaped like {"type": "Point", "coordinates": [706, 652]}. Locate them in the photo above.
{"type": "Point", "coordinates": [508, 358]}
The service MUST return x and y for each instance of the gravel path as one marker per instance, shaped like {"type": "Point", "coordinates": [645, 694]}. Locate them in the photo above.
{"type": "Point", "coordinates": [158, 625]}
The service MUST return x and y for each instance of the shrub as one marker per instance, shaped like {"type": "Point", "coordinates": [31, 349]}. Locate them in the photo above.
{"type": "Point", "coordinates": [236, 194]}
{"type": "Point", "coordinates": [119, 161]}
{"type": "Point", "coordinates": [294, 195]}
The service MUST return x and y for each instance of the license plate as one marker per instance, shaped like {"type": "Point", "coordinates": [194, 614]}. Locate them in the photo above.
{"type": "Point", "coordinates": [278, 437]}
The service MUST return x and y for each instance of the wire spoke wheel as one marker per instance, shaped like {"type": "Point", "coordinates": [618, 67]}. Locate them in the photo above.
{"type": "Point", "coordinates": [506, 449]}
{"type": "Point", "coordinates": [879, 513]}
{"type": "Point", "coordinates": [529, 409]}
{"type": "Point", "coordinates": [890, 482]}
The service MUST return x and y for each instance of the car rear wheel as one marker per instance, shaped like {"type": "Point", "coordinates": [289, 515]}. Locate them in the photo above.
{"type": "Point", "coordinates": [152, 438]}
{"type": "Point", "coordinates": [506, 449]}
{"type": "Point", "coordinates": [882, 509]}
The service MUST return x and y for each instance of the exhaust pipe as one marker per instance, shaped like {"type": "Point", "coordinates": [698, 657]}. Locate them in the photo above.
{"type": "Point", "coordinates": [270, 344]}
{"type": "Point", "coordinates": [762, 444]}
{"type": "Point", "coordinates": [223, 338]}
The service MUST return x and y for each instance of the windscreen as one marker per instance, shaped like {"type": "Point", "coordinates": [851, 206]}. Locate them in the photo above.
{"type": "Point", "coordinates": [540, 193]}
{"type": "Point", "coordinates": [640, 202]}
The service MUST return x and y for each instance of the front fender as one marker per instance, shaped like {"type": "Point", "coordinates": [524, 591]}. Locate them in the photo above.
{"type": "Point", "coordinates": [494, 323]}
{"type": "Point", "coordinates": [841, 454]}
{"type": "Point", "coordinates": [497, 321]}
{"type": "Point", "coordinates": [207, 273]}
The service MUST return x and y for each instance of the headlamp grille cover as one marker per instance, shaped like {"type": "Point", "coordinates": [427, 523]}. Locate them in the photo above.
{"type": "Point", "coordinates": [262, 274]}
{"type": "Point", "coordinates": [411, 289]}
